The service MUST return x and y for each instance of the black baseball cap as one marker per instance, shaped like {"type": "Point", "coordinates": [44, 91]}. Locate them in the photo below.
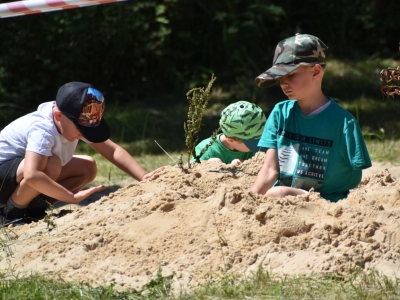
{"type": "Point", "coordinates": [84, 105]}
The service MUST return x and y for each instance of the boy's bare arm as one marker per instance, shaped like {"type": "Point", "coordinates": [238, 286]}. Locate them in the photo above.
{"type": "Point", "coordinates": [34, 176]}
{"type": "Point", "coordinates": [268, 174]}
{"type": "Point", "coordinates": [120, 158]}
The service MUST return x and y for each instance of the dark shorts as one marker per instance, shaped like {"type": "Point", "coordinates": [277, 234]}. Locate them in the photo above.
{"type": "Point", "coordinates": [8, 178]}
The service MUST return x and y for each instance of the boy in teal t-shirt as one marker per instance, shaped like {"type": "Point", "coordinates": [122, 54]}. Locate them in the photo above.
{"type": "Point", "coordinates": [242, 124]}
{"type": "Point", "coordinates": [310, 141]}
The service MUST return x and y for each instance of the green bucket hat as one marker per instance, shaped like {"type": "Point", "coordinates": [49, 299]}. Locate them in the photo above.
{"type": "Point", "coordinates": [291, 53]}
{"type": "Point", "coordinates": [245, 121]}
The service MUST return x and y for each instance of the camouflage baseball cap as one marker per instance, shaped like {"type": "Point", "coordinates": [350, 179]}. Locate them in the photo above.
{"type": "Point", "coordinates": [291, 53]}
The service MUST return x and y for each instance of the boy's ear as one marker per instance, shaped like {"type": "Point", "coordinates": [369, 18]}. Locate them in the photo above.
{"type": "Point", "coordinates": [318, 71]}
{"type": "Point", "coordinates": [57, 115]}
{"type": "Point", "coordinates": [230, 140]}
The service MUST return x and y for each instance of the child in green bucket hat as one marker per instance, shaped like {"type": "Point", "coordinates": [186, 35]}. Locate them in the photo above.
{"type": "Point", "coordinates": [242, 124]}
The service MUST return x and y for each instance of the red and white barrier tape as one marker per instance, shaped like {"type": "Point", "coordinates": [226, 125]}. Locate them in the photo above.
{"type": "Point", "coordinates": [29, 7]}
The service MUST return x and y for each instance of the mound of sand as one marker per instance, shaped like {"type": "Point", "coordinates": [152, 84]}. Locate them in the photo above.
{"type": "Point", "coordinates": [201, 222]}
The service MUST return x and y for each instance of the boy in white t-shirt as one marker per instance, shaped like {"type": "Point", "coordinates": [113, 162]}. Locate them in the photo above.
{"type": "Point", "coordinates": [37, 153]}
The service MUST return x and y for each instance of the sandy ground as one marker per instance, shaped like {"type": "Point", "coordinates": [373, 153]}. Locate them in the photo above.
{"type": "Point", "coordinates": [379, 166]}
{"type": "Point", "coordinates": [197, 224]}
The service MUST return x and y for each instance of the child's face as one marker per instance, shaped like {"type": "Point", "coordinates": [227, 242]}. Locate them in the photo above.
{"type": "Point", "coordinates": [238, 145]}
{"type": "Point", "coordinates": [68, 129]}
{"type": "Point", "coordinates": [296, 85]}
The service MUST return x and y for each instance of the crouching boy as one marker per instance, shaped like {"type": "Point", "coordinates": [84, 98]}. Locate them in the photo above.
{"type": "Point", "coordinates": [37, 153]}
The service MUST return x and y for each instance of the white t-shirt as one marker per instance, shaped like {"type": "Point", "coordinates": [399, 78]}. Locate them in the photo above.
{"type": "Point", "coordinates": [35, 132]}
{"type": "Point", "coordinates": [320, 109]}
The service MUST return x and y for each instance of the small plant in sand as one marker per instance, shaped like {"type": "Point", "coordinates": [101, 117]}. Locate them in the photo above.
{"type": "Point", "coordinates": [390, 75]}
{"type": "Point", "coordinates": [49, 219]}
{"type": "Point", "coordinates": [8, 236]}
{"type": "Point", "coordinates": [158, 287]}
{"type": "Point", "coordinates": [212, 140]}
{"type": "Point", "coordinates": [198, 99]}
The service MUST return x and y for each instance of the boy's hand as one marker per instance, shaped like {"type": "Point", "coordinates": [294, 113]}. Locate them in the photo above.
{"type": "Point", "coordinates": [83, 194]}
{"type": "Point", "coordinates": [215, 159]}
{"type": "Point", "coordinates": [148, 175]}
{"type": "Point", "coordinates": [237, 161]}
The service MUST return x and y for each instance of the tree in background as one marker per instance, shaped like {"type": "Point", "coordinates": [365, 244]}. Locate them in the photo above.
{"type": "Point", "coordinates": [150, 50]}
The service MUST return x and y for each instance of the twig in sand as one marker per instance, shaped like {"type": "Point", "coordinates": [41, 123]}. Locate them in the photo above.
{"type": "Point", "coordinates": [165, 151]}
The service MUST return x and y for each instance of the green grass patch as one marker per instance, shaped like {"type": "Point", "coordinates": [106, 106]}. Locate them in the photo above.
{"type": "Point", "coordinates": [109, 174]}
{"type": "Point", "coordinates": [44, 287]}
{"type": "Point", "coordinates": [259, 285]}
{"type": "Point", "coordinates": [386, 150]}
{"type": "Point", "coordinates": [264, 285]}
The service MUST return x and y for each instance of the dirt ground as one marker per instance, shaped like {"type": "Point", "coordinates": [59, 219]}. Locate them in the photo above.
{"type": "Point", "coordinates": [199, 224]}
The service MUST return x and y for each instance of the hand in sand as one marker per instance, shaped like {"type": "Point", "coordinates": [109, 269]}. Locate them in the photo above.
{"type": "Point", "coordinates": [83, 194]}
{"type": "Point", "coordinates": [150, 174]}
{"type": "Point", "coordinates": [237, 161]}
{"type": "Point", "coordinates": [215, 159]}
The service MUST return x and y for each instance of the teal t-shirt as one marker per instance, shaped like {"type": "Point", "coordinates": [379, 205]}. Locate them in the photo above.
{"type": "Point", "coordinates": [218, 150]}
{"type": "Point", "coordinates": [325, 151]}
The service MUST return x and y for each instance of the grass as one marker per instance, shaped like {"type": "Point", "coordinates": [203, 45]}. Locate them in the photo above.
{"type": "Point", "coordinates": [384, 150]}
{"type": "Point", "coordinates": [43, 287]}
{"type": "Point", "coordinates": [109, 174]}
{"type": "Point", "coordinates": [258, 285]}
{"type": "Point", "coordinates": [263, 285]}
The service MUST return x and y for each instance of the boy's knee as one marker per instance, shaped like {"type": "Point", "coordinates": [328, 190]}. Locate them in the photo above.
{"type": "Point", "coordinates": [90, 168]}
{"type": "Point", "coordinates": [53, 167]}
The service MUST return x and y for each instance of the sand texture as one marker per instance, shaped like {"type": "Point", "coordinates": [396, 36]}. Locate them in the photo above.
{"type": "Point", "coordinates": [205, 221]}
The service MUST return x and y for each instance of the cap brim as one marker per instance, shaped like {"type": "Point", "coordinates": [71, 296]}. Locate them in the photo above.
{"type": "Point", "coordinates": [252, 145]}
{"type": "Point", "coordinates": [273, 74]}
{"type": "Point", "coordinates": [96, 134]}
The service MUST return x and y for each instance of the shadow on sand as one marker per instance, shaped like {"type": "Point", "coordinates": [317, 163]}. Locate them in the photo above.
{"type": "Point", "coordinates": [91, 199]}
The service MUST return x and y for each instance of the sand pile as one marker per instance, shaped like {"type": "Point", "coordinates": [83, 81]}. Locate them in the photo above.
{"type": "Point", "coordinates": [205, 221]}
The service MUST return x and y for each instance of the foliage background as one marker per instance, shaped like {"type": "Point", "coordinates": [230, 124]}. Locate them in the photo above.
{"type": "Point", "coordinates": [144, 55]}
